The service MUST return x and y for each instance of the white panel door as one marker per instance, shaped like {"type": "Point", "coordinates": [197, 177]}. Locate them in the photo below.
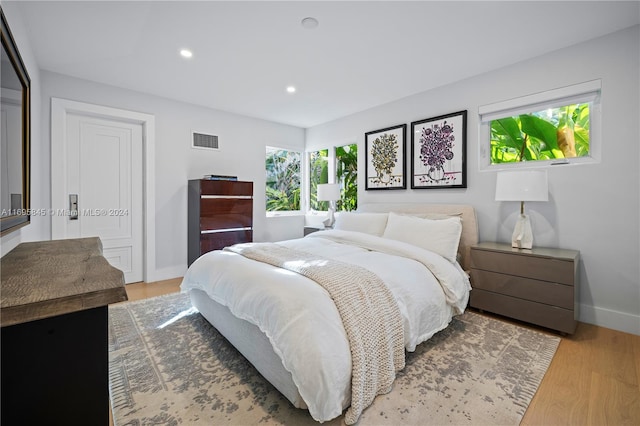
{"type": "Point", "coordinates": [104, 169]}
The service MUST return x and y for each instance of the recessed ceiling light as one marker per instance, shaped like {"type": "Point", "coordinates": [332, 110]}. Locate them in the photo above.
{"type": "Point", "coordinates": [186, 53]}
{"type": "Point", "coordinates": [309, 23]}
{"type": "Point", "coordinates": [291, 89]}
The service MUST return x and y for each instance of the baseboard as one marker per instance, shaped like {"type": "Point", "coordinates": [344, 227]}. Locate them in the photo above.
{"type": "Point", "coordinates": [167, 273]}
{"type": "Point", "coordinates": [607, 318]}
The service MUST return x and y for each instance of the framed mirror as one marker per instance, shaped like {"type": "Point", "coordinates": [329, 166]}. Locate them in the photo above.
{"type": "Point", "coordinates": [15, 134]}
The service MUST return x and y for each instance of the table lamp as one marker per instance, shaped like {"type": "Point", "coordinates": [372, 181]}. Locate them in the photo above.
{"type": "Point", "coordinates": [527, 185]}
{"type": "Point", "coordinates": [329, 192]}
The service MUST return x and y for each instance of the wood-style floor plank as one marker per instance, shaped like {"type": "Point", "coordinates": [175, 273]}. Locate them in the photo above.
{"type": "Point", "coordinates": [593, 380]}
{"type": "Point", "coordinates": [612, 400]}
{"type": "Point", "coordinates": [636, 356]}
{"type": "Point", "coordinates": [142, 290]}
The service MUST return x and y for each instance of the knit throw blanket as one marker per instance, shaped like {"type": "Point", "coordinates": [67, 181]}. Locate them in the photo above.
{"type": "Point", "coordinates": [370, 315]}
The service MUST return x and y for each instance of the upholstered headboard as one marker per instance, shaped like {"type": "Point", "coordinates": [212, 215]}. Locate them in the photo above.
{"type": "Point", "coordinates": [469, 235]}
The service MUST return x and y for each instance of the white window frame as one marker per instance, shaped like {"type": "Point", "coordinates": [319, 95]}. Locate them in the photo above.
{"type": "Point", "coordinates": [579, 93]}
{"type": "Point", "coordinates": [299, 212]}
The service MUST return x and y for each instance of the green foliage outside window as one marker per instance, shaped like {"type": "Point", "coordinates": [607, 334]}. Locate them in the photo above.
{"type": "Point", "coordinates": [346, 158]}
{"type": "Point", "coordinates": [318, 173]}
{"type": "Point", "coordinates": [554, 133]}
{"type": "Point", "coordinates": [347, 174]}
{"type": "Point", "coordinates": [283, 180]}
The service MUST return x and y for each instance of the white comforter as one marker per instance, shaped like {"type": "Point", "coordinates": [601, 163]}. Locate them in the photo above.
{"type": "Point", "coordinates": [301, 320]}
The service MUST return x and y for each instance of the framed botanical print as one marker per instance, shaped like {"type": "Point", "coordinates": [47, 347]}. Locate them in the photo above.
{"type": "Point", "coordinates": [385, 151]}
{"type": "Point", "coordinates": [439, 151]}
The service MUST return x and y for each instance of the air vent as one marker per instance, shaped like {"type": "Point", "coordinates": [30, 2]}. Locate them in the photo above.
{"type": "Point", "coordinates": [205, 141]}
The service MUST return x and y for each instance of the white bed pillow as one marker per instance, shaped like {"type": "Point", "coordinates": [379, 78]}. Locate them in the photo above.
{"type": "Point", "coordinates": [432, 216]}
{"type": "Point", "coordinates": [441, 236]}
{"type": "Point", "coordinates": [369, 223]}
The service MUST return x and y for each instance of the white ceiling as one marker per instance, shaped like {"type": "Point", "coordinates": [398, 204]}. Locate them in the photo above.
{"type": "Point", "coordinates": [362, 54]}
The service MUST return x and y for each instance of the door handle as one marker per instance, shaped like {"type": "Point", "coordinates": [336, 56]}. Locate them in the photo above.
{"type": "Point", "coordinates": [73, 206]}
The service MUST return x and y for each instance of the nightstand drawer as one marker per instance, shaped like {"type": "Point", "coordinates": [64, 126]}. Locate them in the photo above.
{"type": "Point", "coordinates": [536, 313]}
{"type": "Point", "coordinates": [524, 288]}
{"type": "Point", "coordinates": [519, 264]}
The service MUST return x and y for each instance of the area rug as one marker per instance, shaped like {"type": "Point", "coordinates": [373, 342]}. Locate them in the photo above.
{"type": "Point", "coordinates": [169, 366]}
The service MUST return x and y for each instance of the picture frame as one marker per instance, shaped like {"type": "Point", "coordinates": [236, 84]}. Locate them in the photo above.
{"type": "Point", "coordinates": [439, 152]}
{"type": "Point", "coordinates": [385, 155]}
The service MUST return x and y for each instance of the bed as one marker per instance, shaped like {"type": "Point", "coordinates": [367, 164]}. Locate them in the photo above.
{"type": "Point", "coordinates": [289, 327]}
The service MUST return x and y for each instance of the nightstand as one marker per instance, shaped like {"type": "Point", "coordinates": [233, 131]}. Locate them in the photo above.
{"type": "Point", "coordinates": [538, 285]}
{"type": "Point", "coordinates": [310, 229]}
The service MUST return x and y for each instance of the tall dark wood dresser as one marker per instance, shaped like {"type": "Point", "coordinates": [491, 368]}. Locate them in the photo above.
{"type": "Point", "coordinates": [220, 214]}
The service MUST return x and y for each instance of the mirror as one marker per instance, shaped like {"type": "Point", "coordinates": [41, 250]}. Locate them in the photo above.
{"type": "Point", "coordinates": [15, 135]}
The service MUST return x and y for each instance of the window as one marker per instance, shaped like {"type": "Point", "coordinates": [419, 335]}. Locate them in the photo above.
{"type": "Point", "coordinates": [318, 173]}
{"type": "Point", "coordinates": [550, 128]}
{"type": "Point", "coordinates": [347, 175]}
{"type": "Point", "coordinates": [342, 164]}
{"type": "Point", "coordinates": [561, 132]}
{"type": "Point", "coordinates": [283, 179]}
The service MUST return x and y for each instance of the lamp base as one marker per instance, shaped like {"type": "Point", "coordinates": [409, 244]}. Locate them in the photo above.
{"type": "Point", "coordinates": [522, 234]}
{"type": "Point", "coordinates": [331, 219]}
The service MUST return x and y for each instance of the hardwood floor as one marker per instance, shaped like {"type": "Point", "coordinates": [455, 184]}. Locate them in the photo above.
{"type": "Point", "coordinates": [141, 290]}
{"type": "Point", "coordinates": [594, 378]}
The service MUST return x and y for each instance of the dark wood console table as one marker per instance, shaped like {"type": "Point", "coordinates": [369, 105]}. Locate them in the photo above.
{"type": "Point", "coordinates": [54, 302]}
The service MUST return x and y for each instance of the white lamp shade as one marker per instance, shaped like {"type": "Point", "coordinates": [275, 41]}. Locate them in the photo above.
{"type": "Point", "coordinates": [328, 192]}
{"type": "Point", "coordinates": [522, 185]}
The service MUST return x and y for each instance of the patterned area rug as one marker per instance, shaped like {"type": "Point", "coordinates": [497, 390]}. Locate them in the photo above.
{"type": "Point", "coordinates": [169, 366]}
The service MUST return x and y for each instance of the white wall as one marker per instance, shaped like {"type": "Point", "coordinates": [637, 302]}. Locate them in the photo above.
{"type": "Point", "coordinates": [242, 141]}
{"type": "Point", "coordinates": [37, 229]}
{"type": "Point", "coordinates": [592, 208]}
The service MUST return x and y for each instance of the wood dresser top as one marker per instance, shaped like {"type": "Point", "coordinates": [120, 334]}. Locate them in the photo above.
{"type": "Point", "coordinates": [49, 278]}
{"type": "Point", "coordinates": [554, 253]}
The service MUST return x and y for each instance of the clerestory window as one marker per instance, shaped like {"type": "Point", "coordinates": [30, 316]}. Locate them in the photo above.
{"type": "Point", "coordinates": [551, 128]}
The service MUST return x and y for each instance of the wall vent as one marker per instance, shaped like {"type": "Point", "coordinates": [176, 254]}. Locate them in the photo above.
{"type": "Point", "coordinates": [204, 141]}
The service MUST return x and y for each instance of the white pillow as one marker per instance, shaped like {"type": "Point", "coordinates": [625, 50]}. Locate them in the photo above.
{"type": "Point", "coordinates": [441, 236]}
{"type": "Point", "coordinates": [369, 223]}
{"type": "Point", "coordinates": [433, 216]}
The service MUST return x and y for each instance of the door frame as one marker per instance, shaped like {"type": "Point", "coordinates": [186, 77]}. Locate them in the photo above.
{"type": "Point", "coordinates": [60, 108]}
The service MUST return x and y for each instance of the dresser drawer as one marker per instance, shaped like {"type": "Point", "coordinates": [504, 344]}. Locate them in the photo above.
{"type": "Point", "coordinates": [216, 206]}
{"type": "Point", "coordinates": [225, 221]}
{"type": "Point", "coordinates": [535, 267]}
{"type": "Point", "coordinates": [223, 187]}
{"type": "Point", "coordinates": [220, 240]}
{"type": "Point", "coordinates": [524, 288]}
{"type": "Point", "coordinates": [536, 313]}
